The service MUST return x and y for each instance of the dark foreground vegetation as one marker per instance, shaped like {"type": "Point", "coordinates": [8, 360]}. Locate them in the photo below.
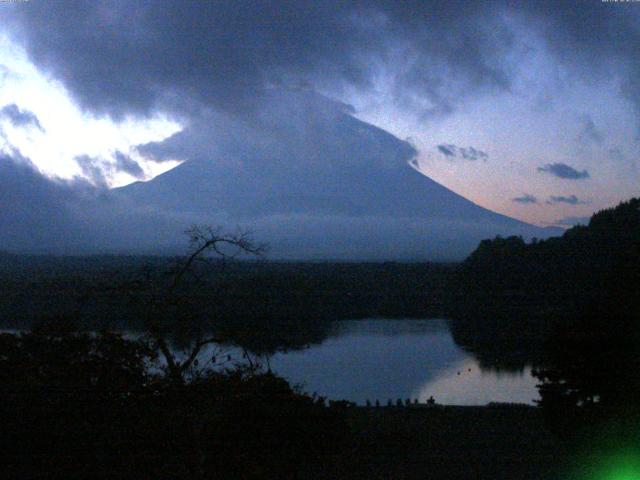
{"type": "Point", "coordinates": [80, 405]}
{"type": "Point", "coordinates": [238, 299]}
{"type": "Point", "coordinates": [578, 298]}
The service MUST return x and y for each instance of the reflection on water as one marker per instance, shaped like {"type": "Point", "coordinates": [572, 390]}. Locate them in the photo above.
{"type": "Point", "coordinates": [467, 384]}
{"type": "Point", "coordinates": [380, 359]}
{"type": "Point", "coordinates": [389, 359]}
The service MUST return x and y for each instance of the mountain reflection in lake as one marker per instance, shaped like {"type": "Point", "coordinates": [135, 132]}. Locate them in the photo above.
{"type": "Point", "coordinates": [390, 359]}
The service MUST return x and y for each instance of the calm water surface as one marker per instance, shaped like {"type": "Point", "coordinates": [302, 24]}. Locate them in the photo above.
{"type": "Point", "coordinates": [390, 359]}
{"type": "Point", "coordinates": [383, 359]}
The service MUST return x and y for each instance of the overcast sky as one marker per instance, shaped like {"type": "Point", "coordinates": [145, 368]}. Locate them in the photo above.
{"type": "Point", "coordinates": [529, 108]}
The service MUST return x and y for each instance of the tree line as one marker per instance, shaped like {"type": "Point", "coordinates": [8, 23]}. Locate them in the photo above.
{"type": "Point", "coordinates": [576, 296]}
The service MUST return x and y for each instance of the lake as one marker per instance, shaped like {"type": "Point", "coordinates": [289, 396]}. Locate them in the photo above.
{"type": "Point", "coordinates": [386, 359]}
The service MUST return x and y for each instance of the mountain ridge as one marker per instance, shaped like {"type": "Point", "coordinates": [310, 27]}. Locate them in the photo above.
{"type": "Point", "coordinates": [311, 190]}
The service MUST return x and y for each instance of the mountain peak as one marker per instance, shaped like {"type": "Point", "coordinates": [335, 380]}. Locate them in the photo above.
{"type": "Point", "coordinates": [317, 182]}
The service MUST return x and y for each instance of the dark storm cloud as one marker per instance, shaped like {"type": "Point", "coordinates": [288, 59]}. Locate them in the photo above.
{"type": "Point", "coordinates": [123, 56]}
{"type": "Point", "coordinates": [466, 153]}
{"type": "Point", "coordinates": [19, 117]}
{"type": "Point", "coordinates": [304, 128]}
{"type": "Point", "coordinates": [525, 199]}
{"type": "Point", "coordinates": [570, 200]}
{"type": "Point", "coordinates": [127, 56]}
{"type": "Point", "coordinates": [125, 163]}
{"type": "Point", "coordinates": [564, 171]}
{"type": "Point", "coordinates": [599, 40]}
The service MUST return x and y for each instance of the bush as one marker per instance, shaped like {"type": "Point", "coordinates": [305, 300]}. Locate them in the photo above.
{"type": "Point", "coordinates": [80, 406]}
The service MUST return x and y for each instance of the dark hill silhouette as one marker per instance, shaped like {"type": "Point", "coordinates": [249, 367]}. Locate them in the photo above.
{"type": "Point", "coordinates": [577, 296]}
{"type": "Point", "coordinates": [598, 262]}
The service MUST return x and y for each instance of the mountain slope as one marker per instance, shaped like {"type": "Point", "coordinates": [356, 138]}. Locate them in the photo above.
{"type": "Point", "coordinates": [319, 183]}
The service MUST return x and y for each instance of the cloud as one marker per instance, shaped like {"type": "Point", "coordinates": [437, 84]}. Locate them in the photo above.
{"type": "Point", "coordinates": [616, 154]}
{"type": "Point", "coordinates": [4, 72]}
{"type": "Point", "coordinates": [571, 221]}
{"type": "Point", "coordinates": [125, 163]}
{"type": "Point", "coordinates": [525, 199]}
{"type": "Point", "coordinates": [571, 200]}
{"type": "Point", "coordinates": [469, 153]}
{"type": "Point", "coordinates": [447, 151]}
{"type": "Point", "coordinates": [564, 171]}
{"type": "Point", "coordinates": [119, 59]}
{"type": "Point", "coordinates": [93, 169]}
{"type": "Point", "coordinates": [589, 132]}
{"type": "Point", "coordinates": [19, 117]}
{"type": "Point", "coordinates": [99, 171]}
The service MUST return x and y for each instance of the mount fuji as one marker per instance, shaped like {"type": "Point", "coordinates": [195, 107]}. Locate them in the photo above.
{"type": "Point", "coordinates": [315, 182]}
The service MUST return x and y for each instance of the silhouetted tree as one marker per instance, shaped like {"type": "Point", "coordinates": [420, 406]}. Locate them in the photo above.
{"type": "Point", "coordinates": [204, 241]}
{"type": "Point", "coordinates": [591, 383]}
{"type": "Point", "coordinates": [87, 406]}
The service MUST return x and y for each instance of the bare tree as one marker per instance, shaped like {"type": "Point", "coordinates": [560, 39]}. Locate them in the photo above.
{"type": "Point", "coordinates": [204, 241]}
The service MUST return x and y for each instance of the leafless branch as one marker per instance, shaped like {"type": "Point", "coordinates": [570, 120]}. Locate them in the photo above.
{"type": "Point", "coordinates": [203, 240]}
